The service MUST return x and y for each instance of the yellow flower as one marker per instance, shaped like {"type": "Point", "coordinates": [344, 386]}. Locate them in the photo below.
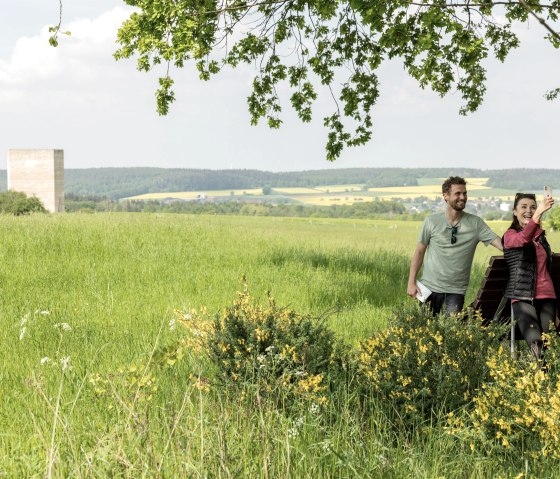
{"type": "Point", "coordinates": [200, 383]}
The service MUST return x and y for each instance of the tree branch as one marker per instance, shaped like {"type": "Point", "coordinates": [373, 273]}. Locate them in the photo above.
{"type": "Point", "coordinates": [417, 4]}
{"type": "Point", "coordinates": [540, 20]}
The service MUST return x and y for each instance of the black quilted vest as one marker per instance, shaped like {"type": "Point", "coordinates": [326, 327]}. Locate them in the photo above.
{"type": "Point", "coordinates": [522, 265]}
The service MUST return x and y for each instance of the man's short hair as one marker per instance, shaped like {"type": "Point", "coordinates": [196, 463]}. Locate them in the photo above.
{"type": "Point", "coordinates": [452, 180]}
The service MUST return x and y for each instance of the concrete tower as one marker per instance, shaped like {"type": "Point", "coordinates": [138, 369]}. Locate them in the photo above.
{"type": "Point", "coordinates": [39, 173]}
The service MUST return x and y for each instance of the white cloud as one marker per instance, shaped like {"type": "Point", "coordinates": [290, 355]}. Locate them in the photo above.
{"type": "Point", "coordinates": [40, 75]}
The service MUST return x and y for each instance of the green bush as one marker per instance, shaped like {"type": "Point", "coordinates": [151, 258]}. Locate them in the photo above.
{"type": "Point", "coordinates": [516, 412]}
{"type": "Point", "coordinates": [285, 354]}
{"type": "Point", "coordinates": [422, 365]}
{"type": "Point", "coordinates": [18, 203]}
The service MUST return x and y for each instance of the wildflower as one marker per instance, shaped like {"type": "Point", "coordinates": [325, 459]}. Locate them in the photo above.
{"type": "Point", "coordinates": [23, 321]}
{"type": "Point", "coordinates": [45, 360]}
{"type": "Point", "coordinates": [23, 326]}
{"type": "Point", "coordinates": [63, 326]}
{"type": "Point", "coordinates": [65, 362]}
{"type": "Point", "coordinates": [172, 324]}
{"type": "Point", "coordinates": [296, 427]}
{"type": "Point", "coordinates": [311, 384]}
{"type": "Point", "coordinates": [45, 313]}
{"type": "Point", "coordinates": [261, 335]}
{"type": "Point", "coordinates": [202, 384]}
{"type": "Point", "coordinates": [292, 432]}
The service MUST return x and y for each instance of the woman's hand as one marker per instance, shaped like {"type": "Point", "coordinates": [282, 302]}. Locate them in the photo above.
{"type": "Point", "coordinates": [546, 204]}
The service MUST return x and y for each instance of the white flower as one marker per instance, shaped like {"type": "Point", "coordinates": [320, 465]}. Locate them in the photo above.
{"type": "Point", "coordinates": [63, 326]}
{"type": "Point", "coordinates": [45, 360]}
{"type": "Point", "coordinates": [327, 445]}
{"type": "Point", "coordinates": [65, 362]}
{"type": "Point", "coordinates": [314, 408]}
{"type": "Point", "coordinates": [45, 312]}
{"type": "Point", "coordinates": [172, 324]}
{"type": "Point", "coordinates": [23, 321]}
{"type": "Point", "coordinates": [22, 326]}
{"type": "Point", "coordinates": [296, 427]}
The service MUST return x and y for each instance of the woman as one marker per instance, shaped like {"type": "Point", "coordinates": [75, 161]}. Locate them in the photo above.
{"type": "Point", "coordinates": [529, 260]}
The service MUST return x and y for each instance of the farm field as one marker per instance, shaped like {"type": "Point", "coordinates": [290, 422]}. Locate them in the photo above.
{"type": "Point", "coordinates": [87, 296]}
{"type": "Point", "coordinates": [343, 194]}
{"type": "Point", "coordinates": [195, 194]}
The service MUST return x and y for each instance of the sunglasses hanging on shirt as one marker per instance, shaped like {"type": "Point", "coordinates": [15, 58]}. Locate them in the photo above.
{"type": "Point", "coordinates": [453, 234]}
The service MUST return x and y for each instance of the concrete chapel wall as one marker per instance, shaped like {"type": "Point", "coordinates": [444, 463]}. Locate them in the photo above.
{"type": "Point", "coordinates": [39, 173]}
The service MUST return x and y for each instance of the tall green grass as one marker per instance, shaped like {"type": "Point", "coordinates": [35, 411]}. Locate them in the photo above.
{"type": "Point", "coordinates": [115, 279]}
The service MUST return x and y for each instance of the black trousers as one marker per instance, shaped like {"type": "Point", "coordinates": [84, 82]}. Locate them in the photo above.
{"type": "Point", "coordinates": [534, 319]}
{"type": "Point", "coordinates": [448, 302]}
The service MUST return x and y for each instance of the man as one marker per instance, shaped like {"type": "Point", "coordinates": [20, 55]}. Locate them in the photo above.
{"type": "Point", "coordinates": [450, 239]}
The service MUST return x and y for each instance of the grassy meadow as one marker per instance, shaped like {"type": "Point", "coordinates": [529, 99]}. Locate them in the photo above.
{"type": "Point", "coordinates": [85, 295]}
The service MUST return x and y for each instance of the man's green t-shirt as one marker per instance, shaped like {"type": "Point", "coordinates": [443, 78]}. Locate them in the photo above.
{"type": "Point", "coordinates": [447, 267]}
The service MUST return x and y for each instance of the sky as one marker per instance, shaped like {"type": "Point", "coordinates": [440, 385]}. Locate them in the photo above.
{"type": "Point", "coordinates": [101, 112]}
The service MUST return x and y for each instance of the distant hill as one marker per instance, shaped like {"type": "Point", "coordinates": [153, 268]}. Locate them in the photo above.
{"type": "Point", "coordinates": [117, 183]}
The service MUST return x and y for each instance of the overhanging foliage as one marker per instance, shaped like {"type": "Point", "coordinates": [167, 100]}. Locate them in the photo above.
{"type": "Point", "coordinates": [335, 43]}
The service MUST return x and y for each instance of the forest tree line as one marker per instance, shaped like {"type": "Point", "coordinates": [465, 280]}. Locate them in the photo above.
{"type": "Point", "coordinates": [365, 210]}
{"type": "Point", "coordinates": [115, 183]}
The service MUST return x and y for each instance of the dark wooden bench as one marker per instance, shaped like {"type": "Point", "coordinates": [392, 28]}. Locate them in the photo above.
{"type": "Point", "coordinates": [491, 292]}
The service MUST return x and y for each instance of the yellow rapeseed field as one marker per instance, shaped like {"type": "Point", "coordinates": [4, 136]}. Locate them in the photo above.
{"type": "Point", "coordinates": [195, 194]}
{"type": "Point", "coordinates": [297, 191]}
{"type": "Point", "coordinates": [328, 200]}
{"type": "Point", "coordinates": [338, 194]}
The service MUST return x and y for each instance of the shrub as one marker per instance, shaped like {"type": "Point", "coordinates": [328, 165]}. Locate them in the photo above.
{"type": "Point", "coordinates": [285, 354]}
{"type": "Point", "coordinates": [18, 203]}
{"type": "Point", "coordinates": [424, 365]}
{"type": "Point", "coordinates": [517, 412]}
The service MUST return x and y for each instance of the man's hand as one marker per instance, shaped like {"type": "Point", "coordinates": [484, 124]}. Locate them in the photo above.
{"type": "Point", "coordinates": [415, 264]}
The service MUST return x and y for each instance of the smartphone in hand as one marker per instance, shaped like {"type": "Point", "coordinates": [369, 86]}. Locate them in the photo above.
{"type": "Point", "coordinates": [547, 192]}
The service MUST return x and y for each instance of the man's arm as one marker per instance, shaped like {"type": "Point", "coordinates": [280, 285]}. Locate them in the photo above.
{"type": "Point", "coordinates": [487, 236]}
{"type": "Point", "coordinates": [497, 243]}
{"type": "Point", "coordinates": [415, 265]}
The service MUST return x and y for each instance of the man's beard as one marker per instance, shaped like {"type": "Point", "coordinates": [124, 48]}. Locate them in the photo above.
{"type": "Point", "coordinates": [458, 205]}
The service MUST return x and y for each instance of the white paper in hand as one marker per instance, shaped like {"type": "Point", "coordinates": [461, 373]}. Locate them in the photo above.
{"type": "Point", "coordinates": [423, 292]}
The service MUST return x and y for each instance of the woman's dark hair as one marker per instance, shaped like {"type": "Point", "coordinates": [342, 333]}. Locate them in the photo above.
{"type": "Point", "coordinates": [520, 196]}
